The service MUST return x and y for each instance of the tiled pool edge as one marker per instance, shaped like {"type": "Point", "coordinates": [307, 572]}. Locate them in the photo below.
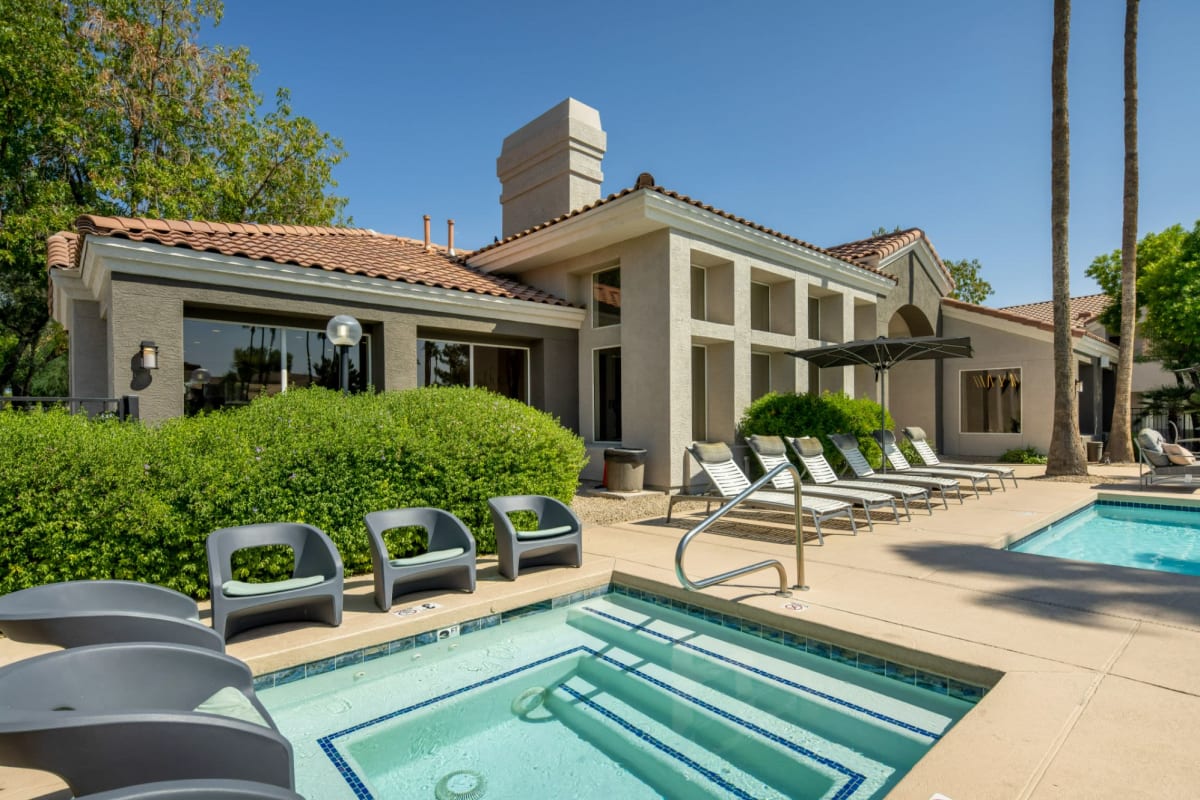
{"type": "Point", "coordinates": [903, 673]}
{"type": "Point", "coordinates": [1187, 505]}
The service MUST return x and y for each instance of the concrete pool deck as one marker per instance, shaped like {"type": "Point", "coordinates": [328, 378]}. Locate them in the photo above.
{"type": "Point", "coordinates": [1097, 686]}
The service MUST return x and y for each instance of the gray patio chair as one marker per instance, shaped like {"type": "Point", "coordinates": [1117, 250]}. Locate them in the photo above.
{"type": "Point", "coordinates": [448, 560]}
{"type": "Point", "coordinates": [1156, 464]}
{"type": "Point", "coordinates": [847, 445]}
{"type": "Point", "coordinates": [728, 481]}
{"type": "Point", "coordinates": [77, 613]}
{"type": "Point", "coordinates": [770, 451]}
{"type": "Point", "coordinates": [109, 716]}
{"type": "Point", "coordinates": [198, 789]}
{"type": "Point", "coordinates": [920, 443]}
{"type": "Point", "coordinates": [811, 453]}
{"type": "Point", "coordinates": [313, 592]}
{"type": "Point", "coordinates": [891, 451]}
{"type": "Point", "coordinates": [558, 538]}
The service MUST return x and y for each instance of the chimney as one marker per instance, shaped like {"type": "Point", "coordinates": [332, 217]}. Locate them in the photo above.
{"type": "Point", "coordinates": [551, 166]}
{"type": "Point", "coordinates": [426, 231]}
{"type": "Point", "coordinates": [450, 237]}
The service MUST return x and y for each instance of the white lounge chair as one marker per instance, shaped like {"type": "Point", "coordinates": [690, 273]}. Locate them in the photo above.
{"type": "Point", "coordinates": [891, 451]}
{"type": "Point", "coordinates": [921, 444]}
{"type": "Point", "coordinates": [728, 481]}
{"type": "Point", "coordinates": [847, 445]}
{"type": "Point", "coordinates": [812, 457]}
{"type": "Point", "coordinates": [1163, 461]}
{"type": "Point", "coordinates": [771, 452]}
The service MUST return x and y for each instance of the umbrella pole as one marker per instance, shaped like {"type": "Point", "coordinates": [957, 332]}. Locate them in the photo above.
{"type": "Point", "coordinates": [882, 375]}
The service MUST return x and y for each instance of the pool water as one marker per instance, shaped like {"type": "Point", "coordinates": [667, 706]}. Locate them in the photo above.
{"type": "Point", "coordinates": [609, 698]}
{"type": "Point", "coordinates": [1155, 537]}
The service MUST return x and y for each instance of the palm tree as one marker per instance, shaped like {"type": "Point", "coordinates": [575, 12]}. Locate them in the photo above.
{"type": "Point", "coordinates": [1121, 441]}
{"type": "Point", "coordinates": [1066, 456]}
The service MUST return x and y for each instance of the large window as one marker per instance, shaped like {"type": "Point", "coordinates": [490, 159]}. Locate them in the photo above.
{"type": "Point", "coordinates": [991, 400]}
{"type": "Point", "coordinates": [503, 370]}
{"type": "Point", "coordinates": [699, 293]}
{"type": "Point", "coordinates": [231, 363]}
{"type": "Point", "coordinates": [606, 298]}
{"type": "Point", "coordinates": [699, 393]}
{"type": "Point", "coordinates": [606, 372]}
{"type": "Point", "coordinates": [760, 306]}
{"type": "Point", "coordinates": [814, 318]}
{"type": "Point", "coordinates": [760, 375]}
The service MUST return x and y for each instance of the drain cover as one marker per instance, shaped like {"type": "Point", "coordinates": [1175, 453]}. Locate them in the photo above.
{"type": "Point", "coordinates": [460, 785]}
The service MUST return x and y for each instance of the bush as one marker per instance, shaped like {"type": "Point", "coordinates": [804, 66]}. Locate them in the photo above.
{"type": "Point", "coordinates": [101, 499]}
{"type": "Point", "coordinates": [1024, 455]}
{"type": "Point", "coordinates": [820, 415]}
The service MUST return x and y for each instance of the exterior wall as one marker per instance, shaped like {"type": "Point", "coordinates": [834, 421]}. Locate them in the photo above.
{"type": "Point", "coordinates": [155, 310]}
{"type": "Point", "coordinates": [917, 286]}
{"type": "Point", "coordinates": [88, 353]}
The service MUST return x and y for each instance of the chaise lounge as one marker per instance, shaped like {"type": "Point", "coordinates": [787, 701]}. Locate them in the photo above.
{"type": "Point", "coordinates": [920, 442]}
{"type": "Point", "coordinates": [891, 452]}
{"type": "Point", "coordinates": [1159, 460]}
{"type": "Point", "coordinates": [847, 445]}
{"type": "Point", "coordinates": [811, 453]}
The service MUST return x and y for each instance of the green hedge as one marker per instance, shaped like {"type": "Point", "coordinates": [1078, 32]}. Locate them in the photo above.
{"type": "Point", "coordinates": [103, 499]}
{"type": "Point", "coordinates": [777, 414]}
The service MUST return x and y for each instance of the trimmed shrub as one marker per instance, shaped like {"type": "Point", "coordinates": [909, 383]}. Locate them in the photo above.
{"type": "Point", "coordinates": [789, 414]}
{"type": "Point", "coordinates": [102, 499]}
{"type": "Point", "coordinates": [1024, 455]}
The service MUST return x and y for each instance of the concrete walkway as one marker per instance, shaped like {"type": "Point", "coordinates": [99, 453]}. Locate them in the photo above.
{"type": "Point", "coordinates": [1096, 682]}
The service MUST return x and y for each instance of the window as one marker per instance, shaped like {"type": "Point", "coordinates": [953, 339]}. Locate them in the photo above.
{"type": "Point", "coordinates": [606, 298]}
{"type": "Point", "coordinates": [760, 307]}
{"type": "Point", "coordinates": [503, 370]}
{"type": "Point", "coordinates": [699, 293]}
{"type": "Point", "coordinates": [231, 363]}
{"type": "Point", "coordinates": [991, 400]}
{"type": "Point", "coordinates": [760, 375]}
{"type": "Point", "coordinates": [607, 400]}
{"type": "Point", "coordinates": [699, 393]}
{"type": "Point", "coordinates": [814, 318]}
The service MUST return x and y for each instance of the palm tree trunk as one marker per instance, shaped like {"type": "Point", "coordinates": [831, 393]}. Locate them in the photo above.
{"type": "Point", "coordinates": [1121, 440]}
{"type": "Point", "coordinates": [1066, 456]}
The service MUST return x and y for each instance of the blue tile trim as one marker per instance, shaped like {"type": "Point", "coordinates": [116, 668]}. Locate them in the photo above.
{"type": "Point", "coordinates": [1107, 503]}
{"type": "Point", "coordinates": [1155, 506]}
{"type": "Point", "coordinates": [800, 687]}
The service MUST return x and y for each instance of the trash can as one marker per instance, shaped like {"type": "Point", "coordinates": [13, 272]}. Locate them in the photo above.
{"type": "Point", "coordinates": [623, 468]}
{"type": "Point", "coordinates": [1095, 450]}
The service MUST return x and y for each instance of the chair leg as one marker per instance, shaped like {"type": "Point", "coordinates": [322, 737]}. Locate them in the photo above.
{"type": "Point", "coordinates": [817, 523]}
{"type": "Point", "coordinates": [896, 511]}
{"type": "Point", "coordinates": [867, 511]}
{"type": "Point", "coordinates": [853, 524]}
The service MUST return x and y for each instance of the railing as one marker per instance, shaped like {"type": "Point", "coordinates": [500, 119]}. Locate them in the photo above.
{"type": "Point", "coordinates": [761, 565]}
{"type": "Point", "coordinates": [123, 408]}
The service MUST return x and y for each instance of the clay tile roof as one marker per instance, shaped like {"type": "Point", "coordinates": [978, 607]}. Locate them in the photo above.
{"type": "Point", "coordinates": [1077, 330]}
{"type": "Point", "coordinates": [1083, 309]}
{"type": "Point", "coordinates": [353, 251]}
{"type": "Point", "coordinates": [876, 248]}
{"type": "Point", "coordinates": [684, 199]}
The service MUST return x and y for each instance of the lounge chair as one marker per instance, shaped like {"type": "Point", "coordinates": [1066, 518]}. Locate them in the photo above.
{"type": "Point", "coordinates": [847, 445]}
{"type": "Point", "coordinates": [313, 592]}
{"type": "Point", "coordinates": [728, 481]}
{"type": "Point", "coordinates": [1190, 442]}
{"type": "Point", "coordinates": [771, 452]}
{"type": "Point", "coordinates": [199, 789]}
{"type": "Point", "coordinates": [921, 444]}
{"type": "Point", "coordinates": [1161, 461]}
{"type": "Point", "coordinates": [78, 613]}
{"type": "Point", "coordinates": [448, 560]}
{"type": "Point", "coordinates": [812, 457]}
{"type": "Point", "coordinates": [110, 716]}
{"type": "Point", "coordinates": [557, 539]}
{"type": "Point", "coordinates": [891, 451]}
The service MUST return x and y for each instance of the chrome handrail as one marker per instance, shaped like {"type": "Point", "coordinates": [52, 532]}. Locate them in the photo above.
{"type": "Point", "coordinates": [725, 509]}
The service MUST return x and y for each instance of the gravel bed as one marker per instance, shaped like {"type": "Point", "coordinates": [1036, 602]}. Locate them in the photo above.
{"type": "Point", "coordinates": [596, 510]}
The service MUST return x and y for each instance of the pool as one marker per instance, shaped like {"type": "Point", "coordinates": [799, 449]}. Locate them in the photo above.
{"type": "Point", "coordinates": [613, 697]}
{"type": "Point", "coordinates": [1143, 535]}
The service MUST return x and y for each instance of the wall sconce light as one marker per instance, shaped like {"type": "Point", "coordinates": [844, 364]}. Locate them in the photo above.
{"type": "Point", "coordinates": [149, 354]}
{"type": "Point", "coordinates": [1079, 385]}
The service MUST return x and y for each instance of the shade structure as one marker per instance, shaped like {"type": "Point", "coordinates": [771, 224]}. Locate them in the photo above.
{"type": "Point", "coordinates": [882, 354]}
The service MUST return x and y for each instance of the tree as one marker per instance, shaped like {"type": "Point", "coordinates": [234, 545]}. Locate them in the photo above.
{"type": "Point", "coordinates": [1120, 443]}
{"type": "Point", "coordinates": [113, 107]}
{"type": "Point", "coordinates": [968, 285]}
{"type": "Point", "coordinates": [1066, 456]}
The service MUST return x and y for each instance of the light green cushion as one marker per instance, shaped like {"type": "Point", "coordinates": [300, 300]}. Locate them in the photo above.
{"type": "Point", "coordinates": [809, 446]}
{"type": "Point", "coordinates": [545, 533]}
{"type": "Point", "coordinates": [229, 702]}
{"type": "Point", "coordinates": [243, 589]}
{"type": "Point", "coordinates": [428, 558]}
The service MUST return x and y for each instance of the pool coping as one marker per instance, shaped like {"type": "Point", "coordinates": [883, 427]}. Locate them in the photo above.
{"type": "Point", "coordinates": [1115, 500]}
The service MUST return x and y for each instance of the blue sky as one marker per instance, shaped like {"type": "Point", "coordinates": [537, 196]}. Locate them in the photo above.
{"type": "Point", "coordinates": [822, 120]}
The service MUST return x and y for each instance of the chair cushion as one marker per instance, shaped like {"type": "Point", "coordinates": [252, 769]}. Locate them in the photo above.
{"type": "Point", "coordinates": [1178, 454]}
{"type": "Point", "coordinates": [545, 533]}
{"type": "Point", "coordinates": [229, 702]}
{"type": "Point", "coordinates": [768, 445]}
{"type": "Point", "coordinates": [242, 589]}
{"type": "Point", "coordinates": [712, 452]}
{"type": "Point", "coordinates": [1151, 443]}
{"type": "Point", "coordinates": [915, 433]}
{"type": "Point", "coordinates": [809, 446]}
{"type": "Point", "coordinates": [428, 558]}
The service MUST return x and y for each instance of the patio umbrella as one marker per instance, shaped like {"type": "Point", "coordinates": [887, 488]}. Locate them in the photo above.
{"type": "Point", "coordinates": [882, 354]}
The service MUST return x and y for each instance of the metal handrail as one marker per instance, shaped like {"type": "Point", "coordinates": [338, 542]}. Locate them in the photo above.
{"type": "Point", "coordinates": [725, 509]}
